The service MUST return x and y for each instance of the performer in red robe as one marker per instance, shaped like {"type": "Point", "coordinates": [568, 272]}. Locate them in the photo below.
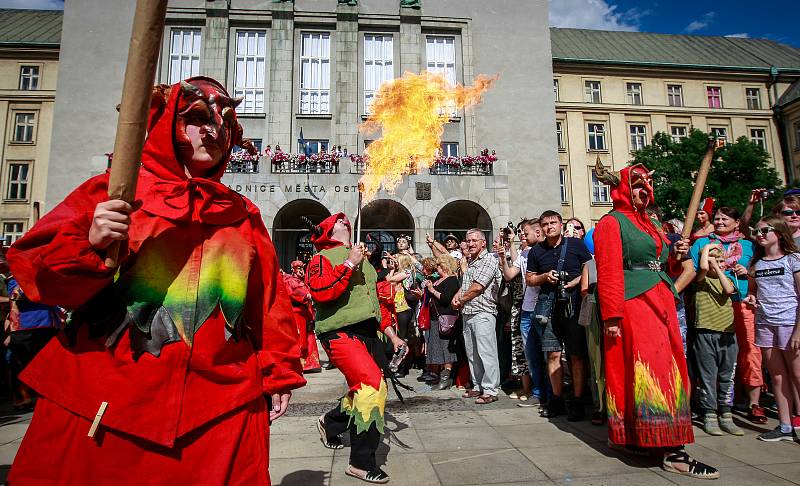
{"type": "Point", "coordinates": [172, 354]}
{"type": "Point", "coordinates": [303, 309]}
{"type": "Point", "coordinates": [647, 387]}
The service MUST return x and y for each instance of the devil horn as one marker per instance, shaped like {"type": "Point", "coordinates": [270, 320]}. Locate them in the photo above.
{"type": "Point", "coordinates": [190, 89]}
{"type": "Point", "coordinates": [237, 100]}
{"type": "Point", "coordinates": [315, 230]}
{"type": "Point", "coordinates": [605, 176]}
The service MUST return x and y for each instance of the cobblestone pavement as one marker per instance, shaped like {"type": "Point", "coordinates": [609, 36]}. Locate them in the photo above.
{"type": "Point", "coordinates": [438, 438]}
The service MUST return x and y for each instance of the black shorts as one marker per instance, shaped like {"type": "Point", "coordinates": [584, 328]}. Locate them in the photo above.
{"type": "Point", "coordinates": [569, 333]}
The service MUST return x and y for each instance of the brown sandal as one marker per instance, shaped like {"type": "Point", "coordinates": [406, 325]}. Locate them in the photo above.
{"type": "Point", "coordinates": [485, 399]}
{"type": "Point", "coordinates": [757, 415]}
{"type": "Point", "coordinates": [471, 394]}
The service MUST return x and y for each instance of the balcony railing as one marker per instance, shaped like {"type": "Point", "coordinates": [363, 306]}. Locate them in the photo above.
{"type": "Point", "coordinates": [358, 165]}
{"type": "Point", "coordinates": [444, 168]}
{"type": "Point", "coordinates": [304, 167]}
{"type": "Point", "coordinates": [242, 167]}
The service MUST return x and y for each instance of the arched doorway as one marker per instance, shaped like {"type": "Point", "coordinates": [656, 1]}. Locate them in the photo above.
{"type": "Point", "coordinates": [290, 235]}
{"type": "Point", "coordinates": [385, 220]}
{"type": "Point", "coordinates": [458, 216]}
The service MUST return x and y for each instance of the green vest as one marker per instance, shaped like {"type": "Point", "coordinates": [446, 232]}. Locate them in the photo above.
{"type": "Point", "coordinates": [358, 303]}
{"type": "Point", "coordinates": [639, 253]}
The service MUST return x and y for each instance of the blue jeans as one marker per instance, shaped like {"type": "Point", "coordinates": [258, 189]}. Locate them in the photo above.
{"type": "Point", "coordinates": [534, 355]}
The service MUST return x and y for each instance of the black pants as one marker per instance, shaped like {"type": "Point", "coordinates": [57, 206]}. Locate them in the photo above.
{"type": "Point", "coordinates": [362, 446]}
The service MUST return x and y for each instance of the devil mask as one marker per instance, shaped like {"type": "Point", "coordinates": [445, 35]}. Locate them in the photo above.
{"type": "Point", "coordinates": [192, 124]}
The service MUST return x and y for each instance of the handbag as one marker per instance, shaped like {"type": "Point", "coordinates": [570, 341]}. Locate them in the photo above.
{"type": "Point", "coordinates": [446, 322]}
{"type": "Point", "coordinates": [424, 314]}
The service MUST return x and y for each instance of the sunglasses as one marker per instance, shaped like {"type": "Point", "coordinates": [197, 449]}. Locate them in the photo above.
{"type": "Point", "coordinates": [578, 227]}
{"type": "Point", "coordinates": [790, 212]}
{"type": "Point", "coordinates": [763, 231]}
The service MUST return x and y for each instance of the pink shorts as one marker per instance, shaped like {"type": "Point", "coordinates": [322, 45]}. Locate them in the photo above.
{"type": "Point", "coordinates": [773, 336]}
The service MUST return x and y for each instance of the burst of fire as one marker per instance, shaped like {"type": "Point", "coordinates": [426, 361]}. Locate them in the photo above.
{"type": "Point", "coordinates": [410, 112]}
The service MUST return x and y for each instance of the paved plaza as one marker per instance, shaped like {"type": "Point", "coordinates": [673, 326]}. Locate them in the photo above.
{"type": "Point", "coordinates": [437, 438]}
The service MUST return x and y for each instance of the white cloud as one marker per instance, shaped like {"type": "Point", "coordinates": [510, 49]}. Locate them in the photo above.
{"type": "Point", "coordinates": [33, 4]}
{"type": "Point", "coordinates": [701, 23]}
{"type": "Point", "coordinates": [593, 14]}
{"type": "Point", "coordinates": [742, 35]}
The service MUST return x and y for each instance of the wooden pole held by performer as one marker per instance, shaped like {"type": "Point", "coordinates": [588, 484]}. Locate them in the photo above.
{"type": "Point", "coordinates": [137, 89]}
{"type": "Point", "coordinates": [699, 186]}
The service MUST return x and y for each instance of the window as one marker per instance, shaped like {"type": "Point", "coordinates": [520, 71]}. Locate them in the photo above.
{"type": "Point", "coordinates": [562, 182]}
{"type": "Point", "coordinates": [720, 133]}
{"type": "Point", "coordinates": [378, 65]}
{"type": "Point", "coordinates": [753, 96]}
{"type": "Point", "coordinates": [597, 136]}
{"type": "Point", "coordinates": [674, 95]}
{"type": "Point", "coordinates": [601, 193]}
{"type": "Point", "coordinates": [251, 55]}
{"type": "Point", "coordinates": [18, 181]}
{"type": "Point", "coordinates": [797, 136]}
{"type": "Point", "coordinates": [555, 90]}
{"type": "Point", "coordinates": [559, 135]}
{"type": "Point", "coordinates": [440, 55]}
{"type": "Point", "coordinates": [315, 73]}
{"type": "Point", "coordinates": [634, 91]}
{"type": "Point", "coordinates": [313, 146]}
{"type": "Point", "coordinates": [714, 94]}
{"type": "Point", "coordinates": [638, 137]}
{"type": "Point", "coordinates": [184, 54]}
{"type": "Point", "coordinates": [23, 127]}
{"type": "Point", "coordinates": [759, 137]}
{"type": "Point", "coordinates": [29, 77]}
{"type": "Point", "coordinates": [592, 91]}
{"type": "Point", "coordinates": [449, 149]}
{"type": "Point", "coordinates": [12, 232]}
{"type": "Point", "coordinates": [678, 132]}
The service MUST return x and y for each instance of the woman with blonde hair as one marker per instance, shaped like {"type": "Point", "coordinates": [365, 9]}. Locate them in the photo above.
{"type": "Point", "coordinates": [440, 344]}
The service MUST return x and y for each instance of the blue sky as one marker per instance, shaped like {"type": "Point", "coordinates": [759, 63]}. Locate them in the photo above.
{"type": "Point", "coordinates": [770, 19]}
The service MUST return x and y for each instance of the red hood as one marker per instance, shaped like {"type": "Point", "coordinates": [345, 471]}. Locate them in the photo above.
{"type": "Point", "coordinates": [622, 194]}
{"type": "Point", "coordinates": [324, 241]}
{"type": "Point", "coordinates": [160, 155]}
{"type": "Point", "coordinates": [708, 206]}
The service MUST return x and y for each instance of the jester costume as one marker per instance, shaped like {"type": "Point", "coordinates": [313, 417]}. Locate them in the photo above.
{"type": "Point", "coordinates": [348, 322]}
{"type": "Point", "coordinates": [182, 342]}
{"type": "Point", "coordinates": [303, 310]}
{"type": "Point", "coordinates": [647, 388]}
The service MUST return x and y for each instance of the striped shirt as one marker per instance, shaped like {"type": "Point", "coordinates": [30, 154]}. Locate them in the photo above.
{"type": "Point", "coordinates": [714, 306]}
{"type": "Point", "coordinates": [485, 270]}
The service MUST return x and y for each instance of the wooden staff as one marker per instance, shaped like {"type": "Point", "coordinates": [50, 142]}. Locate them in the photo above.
{"type": "Point", "coordinates": [699, 186]}
{"type": "Point", "coordinates": [358, 214]}
{"type": "Point", "coordinates": [137, 88]}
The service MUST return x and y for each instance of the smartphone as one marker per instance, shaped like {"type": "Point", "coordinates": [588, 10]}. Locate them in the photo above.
{"type": "Point", "coordinates": [570, 230]}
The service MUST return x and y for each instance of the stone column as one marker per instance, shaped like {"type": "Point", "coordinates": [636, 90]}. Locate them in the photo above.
{"type": "Point", "coordinates": [410, 40]}
{"type": "Point", "coordinates": [344, 99]}
{"type": "Point", "coordinates": [215, 41]}
{"type": "Point", "coordinates": [281, 96]}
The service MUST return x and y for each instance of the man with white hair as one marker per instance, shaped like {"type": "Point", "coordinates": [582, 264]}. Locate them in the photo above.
{"type": "Point", "coordinates": [477, 301]}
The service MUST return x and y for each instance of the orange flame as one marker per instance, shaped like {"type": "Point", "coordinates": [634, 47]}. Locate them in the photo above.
{"type": "Point", "coordinates": [411, 112]}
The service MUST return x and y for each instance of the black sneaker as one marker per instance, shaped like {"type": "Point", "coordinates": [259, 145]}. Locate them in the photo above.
{"type": "Point", "coordinates": [575, 411]}
{"type": "Point", "coordinates": [775, 435]}
{"type": "Point", "coordinates": [554, 408]}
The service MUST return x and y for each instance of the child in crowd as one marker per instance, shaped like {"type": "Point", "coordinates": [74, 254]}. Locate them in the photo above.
{"type": "Point", "coordinates": [775, 280]}
{"type": "Point", "coordinates": [714, 345]}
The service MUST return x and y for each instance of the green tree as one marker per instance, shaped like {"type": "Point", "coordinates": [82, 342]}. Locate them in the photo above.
{"type": "Point", "coordinates": [736, 169]}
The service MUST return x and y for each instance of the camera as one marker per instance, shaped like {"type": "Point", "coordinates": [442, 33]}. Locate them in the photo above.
{"type": "Point", "coordinates": [562, 293]}
{"type": "Point", "coordinates": [508, 232]}
{"type": "Point", "coordinates": [767, 193]}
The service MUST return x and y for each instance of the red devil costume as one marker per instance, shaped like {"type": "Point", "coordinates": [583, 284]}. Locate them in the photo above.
{"type": "Point", "coordinates": [647, 388]}
{"type": "Point", "coordinates": [303, 317]}
{"type": "Point", "coordinates": [181, 342]}
{"type": "Point", "coordinates": [348, 323]}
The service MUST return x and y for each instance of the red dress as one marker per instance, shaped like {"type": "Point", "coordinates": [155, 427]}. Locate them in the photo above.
{"type": "Point", "coordinates": [303, 309]}
{"type": "Point", "coordinates": [647, 387]}
{"type": "Point", "coordinates": [182, 342]}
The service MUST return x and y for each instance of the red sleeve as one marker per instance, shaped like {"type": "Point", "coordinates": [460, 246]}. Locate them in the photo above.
{"type": "Point", "coordinates": [54, 262]}
{"type": "Point", "coordinates": [610, 279]}
{"type": "Point", "coordinates": [386, 294]}
{"type": "Point", "coordinates": [325, 281]}
{"type": "Point", "coordinates": [270, 319]}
